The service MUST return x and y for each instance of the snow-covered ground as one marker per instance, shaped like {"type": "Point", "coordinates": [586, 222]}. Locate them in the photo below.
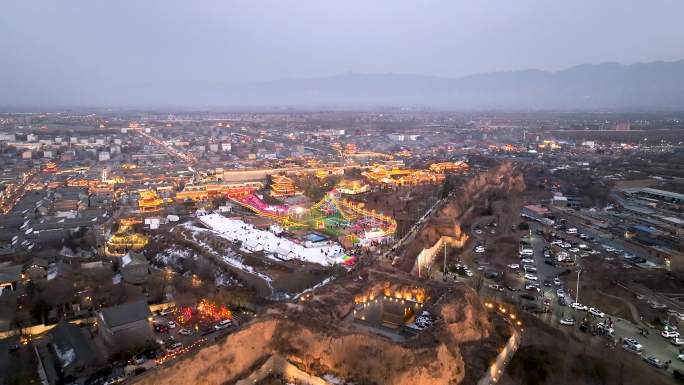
{"type": "Point", "coordinates": [173, 256]}
{"type": "Point", "coordinates": [273, 246]}
{"type": "Point", "coordinates": [230, 259]}
{"type": "Point", "coordinates": [321, 284]}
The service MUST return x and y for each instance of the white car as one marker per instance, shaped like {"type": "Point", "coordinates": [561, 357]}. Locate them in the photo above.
{"type": "Point", "coordinates": [468, 272]}
{"type": "Point", "coordinates": [513, 266]}
{"type": "Point", "coordinates": [185, 332]}
{"type": "Point", "coordinates": [174, 346]}
{"type": "Point", "coordinates": [478, 231]}
{"type": "Point", "coordinates": [573, 250]}
{"type": "Point", "coordinates": [223, 324]}
{"type": "Point", "coordinates": [579, 306]}
{"type": "Point", "coordinates": [171, 325]}
{"type": "Point", "coordinates": [526, 252]}
{"type": "Point", "coordinates": [596, 312]}
{"type": "Point", "coordinates": [669, 334]}
{"type": "Point", "coordinates": [634, 344]}
{"type": "Point", "coordinates": [677, 341]}
{"type": "Point", "coordinates": [567, 321]}
{"type": "Point", "coordinates": [167, 311]}
{"type": "Point", "coordinates": [680, 357]}
{"type": "Point", "coordinates": [557, 281]}
{"type": "Point", "coordinates": [565, 245]}
{"type": "Point", "coordinates": [531, 277]}
{"type": "Point", "coordinates": [480, 249]}
{"type": "Point", "coordinates": [560, 293]}
{"type": "Point", "coordinates": [532, 287]}
{"type": "Point", "coordinates": [527, 260]}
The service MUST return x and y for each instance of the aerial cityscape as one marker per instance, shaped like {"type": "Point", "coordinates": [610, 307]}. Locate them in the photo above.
{"type": "Point", "coordinates": [243, 212]}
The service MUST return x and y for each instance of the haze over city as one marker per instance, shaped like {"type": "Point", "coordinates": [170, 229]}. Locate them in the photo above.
{"type": "Point", "coordinates": [161, 53]}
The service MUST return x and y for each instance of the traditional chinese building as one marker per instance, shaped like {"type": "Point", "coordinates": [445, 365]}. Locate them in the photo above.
{"type": "Point", "coordinates": [282, 186]}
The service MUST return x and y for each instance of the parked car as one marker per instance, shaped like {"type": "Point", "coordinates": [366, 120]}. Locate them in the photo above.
{"type": "Point", "coordinates": [678, 374]}
{"type": "Point", "coordinates": [526, 252]}
{"type": "Point", "coordinates": [655, 362]}
{"type": "Point", "coordinates": [677, 341]}
{"type": "Point", "coordinates": [631, 349]}
{"type": "Point", "coordinates": [138, 360]}
{"type": "Point", "coordinates": [567, 321]}
{"type": "Point", "coordinates": [531, 277]}
{"type": "Point", "coordinates": [496, 286]}
{"type": "Point", "coordinates": [161, 328]}
{"type": "Point", "coordinates": [174, 346]}
{"type": "Point", "coordinates": [167, 311]}
{"type": "Point", "coordinates": [557, 281]}
{"type": "Point", "coordinates": [513, 266]}
{"type": "Point", "coordinates": [669, 334]}
{"type": "Point", "coordinates": [527, 297]}
{"type": "Point", "coordinates": [185, 332]}
{"type": "Point", "coordinates": [171, 325]}
{"type": "Point", "coordinates": [115, 380]}
{"type": "Point", "coordinates": [532, 287]}
{"type": "Point", "coordinates": [579, 306]}
{"type": "Point", "coordinates": [223, 324]}
{"type": "Point", "coordinates": [560, 293]}
{"type": "Point", "coordinates": [633, 343]}
{"type": "Point", "coordinates": [480, 249]}
{"type": "Point", "coordinates": [527, 260]}
{"type": "Point", "coordinates": [596, 312]}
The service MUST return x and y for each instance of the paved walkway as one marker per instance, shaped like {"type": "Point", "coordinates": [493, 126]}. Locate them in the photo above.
{"type": "Point", "coordinates": [495, 371]}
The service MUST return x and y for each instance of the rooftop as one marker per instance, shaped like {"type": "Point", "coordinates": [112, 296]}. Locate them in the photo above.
{"type": "Point", "coordinates": [125, 313]}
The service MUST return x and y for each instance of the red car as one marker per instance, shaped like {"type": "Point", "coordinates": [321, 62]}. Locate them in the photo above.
{"type": "Point", "coordinates": [159, 328]}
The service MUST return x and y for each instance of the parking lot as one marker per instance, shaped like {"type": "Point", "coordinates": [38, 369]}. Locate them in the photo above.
{"type": "Point", "coordinates": [654, 345]}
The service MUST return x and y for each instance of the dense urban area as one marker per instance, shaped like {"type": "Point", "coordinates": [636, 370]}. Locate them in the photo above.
{"type": "Point", "coordinates": [340, 247]}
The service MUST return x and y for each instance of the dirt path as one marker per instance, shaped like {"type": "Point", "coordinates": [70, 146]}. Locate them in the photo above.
{"type": "Point", "coordinates": [632, 308]}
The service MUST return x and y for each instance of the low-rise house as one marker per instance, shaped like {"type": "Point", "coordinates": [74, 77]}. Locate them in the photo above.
{"type": "Point", "coordinates": [135, 268]}
{"type": "Point", "coordinates": [127, 326]}
{"type": "Point", "coordinates": [70, 354]}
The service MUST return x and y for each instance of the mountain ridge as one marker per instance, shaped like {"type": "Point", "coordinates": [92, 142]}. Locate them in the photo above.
{"type": "Point", "coordinates": [605, 85]}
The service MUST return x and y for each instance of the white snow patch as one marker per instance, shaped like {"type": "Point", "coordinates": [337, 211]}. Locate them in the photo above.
{"type": "Point", "coordinates": [321, 284]}
{"type": "Point", "coordinates": [274, 247]}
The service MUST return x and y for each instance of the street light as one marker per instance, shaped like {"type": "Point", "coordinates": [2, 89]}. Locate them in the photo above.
{"type": "Point", "coordinates": [577, 289]}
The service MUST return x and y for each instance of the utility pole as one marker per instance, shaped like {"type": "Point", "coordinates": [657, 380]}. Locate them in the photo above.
{"type": "Point", "coordinates": [445, 253]}
{"type": "Point", "coordinates": [577, 289]}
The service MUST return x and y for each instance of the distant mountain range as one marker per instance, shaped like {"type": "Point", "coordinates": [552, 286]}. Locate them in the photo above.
{"type": "Point", "coordinates": [656, 85]}
{"type": "Point", "coordinates": [608, 86]}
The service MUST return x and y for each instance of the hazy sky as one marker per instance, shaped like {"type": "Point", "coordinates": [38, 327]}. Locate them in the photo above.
{"type": "Point", "coordinates": [69, 48]}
